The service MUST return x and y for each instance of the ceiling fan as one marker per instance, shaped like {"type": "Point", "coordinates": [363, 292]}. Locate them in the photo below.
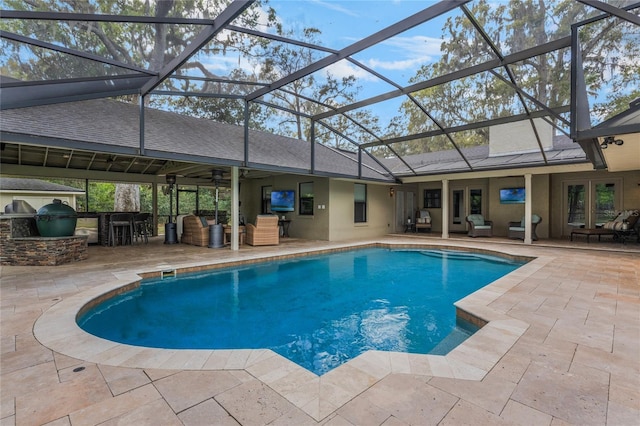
{"type": "Point", "coordinates": [221, 178]}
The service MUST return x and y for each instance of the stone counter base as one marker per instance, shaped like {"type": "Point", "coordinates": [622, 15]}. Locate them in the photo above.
{"type": "Point", "coordinates": [40, 251]}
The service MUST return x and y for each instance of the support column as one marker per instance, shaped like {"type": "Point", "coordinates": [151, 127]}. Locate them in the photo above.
{"type": "Point", "coordinates": [445, 208]}
{"type": "Point", "coordinates": [527, 208]}
{"type": "Point", "coordinates": [235, 208]}
{"type": "Point", "coordinates": [154, 208]}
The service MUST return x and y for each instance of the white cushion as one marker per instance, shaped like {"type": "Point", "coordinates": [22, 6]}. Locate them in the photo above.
{"type": "Point", "coordinates": [482, 227]}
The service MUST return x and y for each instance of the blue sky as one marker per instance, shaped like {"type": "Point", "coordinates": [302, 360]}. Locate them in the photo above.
{"type": "Point", "coordinates": [345, 22]}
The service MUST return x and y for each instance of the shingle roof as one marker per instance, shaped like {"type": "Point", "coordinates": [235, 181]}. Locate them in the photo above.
{"type": "Point", "coordinates": [564, 151]}
{"type": "Point", "coordinates": [109, 124]}
{"type": "Point", "coordinates": [18, 184]}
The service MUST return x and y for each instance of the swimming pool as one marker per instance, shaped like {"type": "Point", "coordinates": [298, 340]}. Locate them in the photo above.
{"type": "Point", "coordinates": [318, 311]}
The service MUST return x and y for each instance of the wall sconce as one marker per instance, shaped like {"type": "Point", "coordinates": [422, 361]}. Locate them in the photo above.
{"type": "Point", "coordinates": [610, 140]}
{"type": "Point", "coordinates": [392, 191]}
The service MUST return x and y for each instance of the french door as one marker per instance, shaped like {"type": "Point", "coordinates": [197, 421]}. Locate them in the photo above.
{"type": "Point", "coordinates": [590, 203]}
{"type": "Point", "coordinates": [465, 200]}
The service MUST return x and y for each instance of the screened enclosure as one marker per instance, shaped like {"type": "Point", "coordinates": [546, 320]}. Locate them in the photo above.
{"type": "Point", "coordinates": [368, 89]}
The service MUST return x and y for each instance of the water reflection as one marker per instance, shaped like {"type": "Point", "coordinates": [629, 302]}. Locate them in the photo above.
{"type": "Point", "coordinates": [380, 327]}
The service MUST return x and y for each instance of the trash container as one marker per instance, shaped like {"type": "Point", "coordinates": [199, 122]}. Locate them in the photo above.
{"type": "Point", "coordinates": [216, 236]}
{"type": "Point", "coordinates": [170, 233]}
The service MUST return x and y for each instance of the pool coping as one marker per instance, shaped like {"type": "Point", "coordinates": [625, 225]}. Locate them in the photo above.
{"type": "Point", "coordinates": [318, 396]}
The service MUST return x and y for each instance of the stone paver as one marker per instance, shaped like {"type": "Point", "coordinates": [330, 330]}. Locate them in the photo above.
{"type": "Point", "coordinates": [563, 348]}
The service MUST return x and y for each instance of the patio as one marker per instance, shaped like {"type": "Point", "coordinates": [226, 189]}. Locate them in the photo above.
{"type": "Point", "coordinates": [569, 352]}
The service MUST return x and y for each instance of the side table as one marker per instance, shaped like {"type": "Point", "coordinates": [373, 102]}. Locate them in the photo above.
{"type": "Point", "coordinates": [242, 232]}
{"type": "Point", "coordinates": [284, 227]}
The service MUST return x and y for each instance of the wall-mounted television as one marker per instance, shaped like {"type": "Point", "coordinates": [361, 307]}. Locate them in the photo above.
{"type": "Point", "coordinates": [512, 196]}
{"type": "Point", "coordinates": [283, 201]}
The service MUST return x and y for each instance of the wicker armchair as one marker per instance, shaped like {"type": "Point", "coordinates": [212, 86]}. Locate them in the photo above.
{"type": "Point", "coordinates": [265, 232]}
{"type": "Point", "coordinates": [194, 231]}
{"type": "Point", "coordinates": [516, 229]}
{"type": "Point", "coordinates": [478, 227]}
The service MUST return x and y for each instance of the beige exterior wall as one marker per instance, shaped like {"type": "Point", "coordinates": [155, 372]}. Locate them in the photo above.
{"type": "Point", "coordinates": [547, 197]}
{"type": "Point", "coordinates": [36, 200]}
{"type": "Point", "coordinates": [519, 137]}
{"type": "Point", "coordinates": [335, 221]}
{"type": "Point", "coordinates": [380, 211]}
{"type": "Point", "coordinates": [502, 214]}
{"type": "Point", "coordinates": [629, 198]}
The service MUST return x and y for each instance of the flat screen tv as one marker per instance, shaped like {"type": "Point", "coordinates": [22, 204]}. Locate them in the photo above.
{"type": "Point", "coordinates": [283, 201]}
{"type": "Point", "coordinates": [512, 196]}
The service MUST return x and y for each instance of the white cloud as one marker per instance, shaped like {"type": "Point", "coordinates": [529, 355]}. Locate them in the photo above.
{"type": "Point", "coordinates": [334, 6]}
{"type": "Point", "coordinates": [410, 53]}
{"type": "Point", "coordinates": [397, 54]}
{"type": "Point", "coordinates": [345, 69]}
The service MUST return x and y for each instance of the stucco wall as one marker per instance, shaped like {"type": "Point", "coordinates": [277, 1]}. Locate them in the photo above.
{"type": "Point", "coordinates": [334, 222]}
{"type": "Point", "coordinates": [36, 200]}
{"type": "Point", "coordinates": [435, 213]}
{"type": "Point", "coordinates": [518, 137]}
{"type": "Point", "coordinates": [502, 214]}
{"type": "Point", "coordinates": [314, 227]}
{"type": "Point", "coordinates": [630, 197]}
{"type": "Point", "coordinates": [380, 211]}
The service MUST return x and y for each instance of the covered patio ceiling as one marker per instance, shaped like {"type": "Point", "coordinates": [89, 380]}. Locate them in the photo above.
{"type": "Point", "coordinates": [390, 87]}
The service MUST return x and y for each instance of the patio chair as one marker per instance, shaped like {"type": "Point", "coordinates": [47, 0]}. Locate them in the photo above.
{"type": "Point", "coordinates": [195, 231]}
{"type": "Point", "coordinates": [621, 227]}
{"type": "Point", "coordinates": [625, 220]}
{"type": "Point", "coordinates": [478, 227]}
{"type": "Point", "coordinates": [423, 220]}
{"type": "Point", "coordinates": [265, 232]}
{"type": "Point", "coordinates": [516, 229]}
{"type": "Point", "coordinates": [141, 226]}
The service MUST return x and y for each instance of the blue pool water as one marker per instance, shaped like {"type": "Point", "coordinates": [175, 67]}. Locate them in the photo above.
{"type": "Point", "coordinates": [318, 311]}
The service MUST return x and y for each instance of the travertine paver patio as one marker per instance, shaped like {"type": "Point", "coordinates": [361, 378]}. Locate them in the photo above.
{"type": "Point", "coordinates": [562, 347]}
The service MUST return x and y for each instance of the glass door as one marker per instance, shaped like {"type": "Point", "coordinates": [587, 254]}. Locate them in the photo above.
{"type": "Point", "coordinates": [405, 209]}
{"type": "Point", "coordinates": [605, 203]}
{"type": "Point", "coordinates": [475, 201]}
{"type": "Point", "coordinates": [575, 205]}
{"type": "Point", "coordinates": [465, 201]}
{"type": "Point", "coordinates": [589, 204]}
{"type": "Point", "coordinates": [458, 210]}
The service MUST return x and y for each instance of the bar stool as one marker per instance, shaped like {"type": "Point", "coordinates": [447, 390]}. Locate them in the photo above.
{"type": "Point", "coordinates": [121, 227]}
{"type": "Point", "coordinates": [141, 225]}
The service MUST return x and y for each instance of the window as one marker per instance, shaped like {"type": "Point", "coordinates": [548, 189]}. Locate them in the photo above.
{"type": "Point", "coordinates": [306, 198]}
{"type": "Point", "coordinates": [360, 202]}
{"type": "Point", "coordinates": [266, 199]}
{"type": "Point", "coordinates": [433, 198]}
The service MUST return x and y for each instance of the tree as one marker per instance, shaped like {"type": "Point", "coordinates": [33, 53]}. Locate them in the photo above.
{"type": "Point", "coordinates": [271, 61]}
{"type": "Point", "coordinates": [134, 44]}
{"type": "Point", "coordinates": [127, 198]}
{"type": "Point", "coordinates": [515, 26]}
